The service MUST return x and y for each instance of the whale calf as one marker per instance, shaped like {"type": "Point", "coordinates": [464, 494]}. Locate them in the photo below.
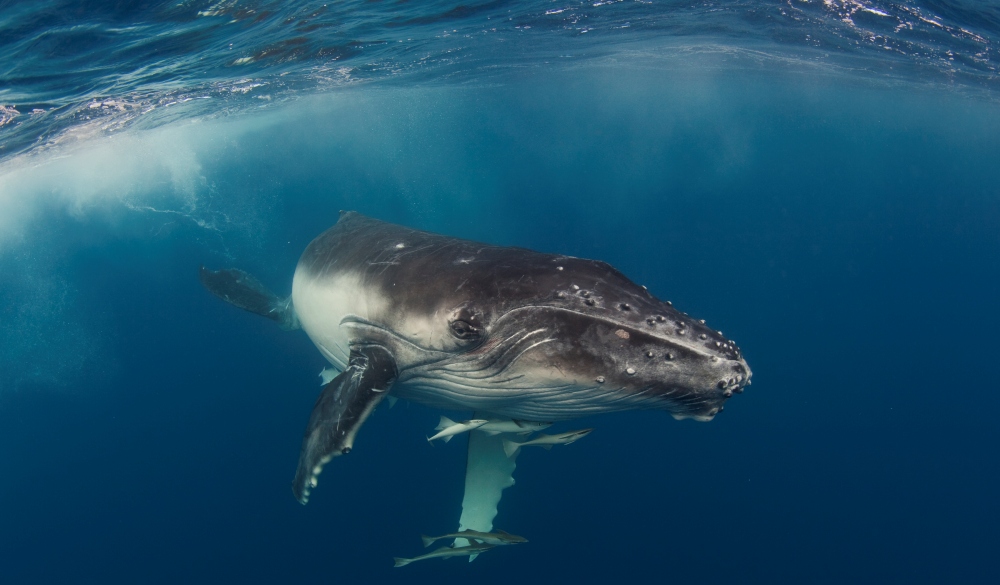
{"type": "Point", "coordinates": [504, 332]}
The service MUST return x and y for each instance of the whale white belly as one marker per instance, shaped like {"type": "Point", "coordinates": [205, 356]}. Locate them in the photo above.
{"type": "Point", "coordinates": [322, 303]}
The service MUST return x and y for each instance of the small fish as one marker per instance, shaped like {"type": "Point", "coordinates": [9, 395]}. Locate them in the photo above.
{"type": "Point", "coordinates": [495, 538]}
{"type": "Point", "coordinates": [450, 428]}
{"type": "Point", "coordinates": [327, 375]}
{"type": "Point", "coordinates": [447, 552]}
{"type": "Point", "coordinates": [545, 441]}
{"type": "Point", "coordinates": [497, 426]}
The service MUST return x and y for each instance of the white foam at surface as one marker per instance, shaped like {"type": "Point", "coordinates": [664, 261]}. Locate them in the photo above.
{"type": "Point", "coordinates": [88, 173]}
{"type": "Point", "coordinates": [124, 170]}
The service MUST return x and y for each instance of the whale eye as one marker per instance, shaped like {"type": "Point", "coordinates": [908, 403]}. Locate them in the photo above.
{"type": "Point", "coordinates": [465, 330]}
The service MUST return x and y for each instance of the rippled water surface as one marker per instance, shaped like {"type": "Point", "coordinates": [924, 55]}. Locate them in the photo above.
{"type": "Point", "coordinates": [69, 64]}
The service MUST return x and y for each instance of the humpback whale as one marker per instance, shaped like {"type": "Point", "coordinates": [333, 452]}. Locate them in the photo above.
{"type": "Point", "coordinates": [507, 333]}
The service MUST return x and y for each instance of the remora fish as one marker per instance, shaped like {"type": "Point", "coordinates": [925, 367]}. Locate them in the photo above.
{"type": "Point", "coordinates": [446, 552]}
{"type": "Point", "coordinates": [461, 325]}
{"type": "Point", "coordinates": [450, 428]}
{"type": "Point", "coordinates": [494, 427]}
{"type": "Point", "coordinates": [545, 441]}
{"type": "Point", "coordinates": [497, 538]}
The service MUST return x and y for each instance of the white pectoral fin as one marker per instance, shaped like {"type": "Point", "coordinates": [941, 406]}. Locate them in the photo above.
{"type": "Point", "coordinates": [488, 472]}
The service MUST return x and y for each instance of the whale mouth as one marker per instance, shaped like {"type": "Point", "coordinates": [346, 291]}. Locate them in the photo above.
{"type": "Point", "coordinates": [408, 353]}
{"type": "Point", "coordinates": [486, 362]}
{"type": "Point", "coordinates": [737, 382]}
{"type": "Point", "coordinates": [543, 362]}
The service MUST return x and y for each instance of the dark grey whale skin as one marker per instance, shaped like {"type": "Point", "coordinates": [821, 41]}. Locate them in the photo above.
{"type": "Point", "coordinates": [605, 324]}
{"type": "Point", "coordinates": [515, 333]}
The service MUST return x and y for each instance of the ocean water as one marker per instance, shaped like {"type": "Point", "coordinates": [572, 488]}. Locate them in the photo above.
{"type": "Point", "coordinates": [818, 179]}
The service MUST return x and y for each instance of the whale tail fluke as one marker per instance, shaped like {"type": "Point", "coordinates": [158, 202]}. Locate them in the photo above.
{"type": "Point", "coordinates": [242, 290]}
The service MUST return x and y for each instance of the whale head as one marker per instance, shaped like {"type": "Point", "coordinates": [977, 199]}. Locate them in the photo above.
{"type": "Point", "coordinates": [510, 331]}
{"type": "Point", "coordinates": [551, 337]}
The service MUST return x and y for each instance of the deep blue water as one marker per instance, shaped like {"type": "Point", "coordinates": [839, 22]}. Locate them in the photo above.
{"type": "Point", "coordinates": [819, 180]}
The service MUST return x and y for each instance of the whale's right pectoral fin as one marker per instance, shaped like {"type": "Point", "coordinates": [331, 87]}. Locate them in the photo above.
{"type": "Point", "coordinates": [340, 411]}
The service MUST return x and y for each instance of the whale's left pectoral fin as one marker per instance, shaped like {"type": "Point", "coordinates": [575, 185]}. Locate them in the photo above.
{"type": "Point", "coordinates": [340, 411]}
{"type": "Point", "coordinates": [488, 471]}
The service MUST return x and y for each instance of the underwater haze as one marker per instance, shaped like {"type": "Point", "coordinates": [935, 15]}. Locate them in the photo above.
{"type": "Point", "coordinates": [819, 179]}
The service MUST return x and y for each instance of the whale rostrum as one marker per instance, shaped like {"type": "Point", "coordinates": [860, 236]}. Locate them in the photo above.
{"type": "Point", "coordinates": [507, 333]}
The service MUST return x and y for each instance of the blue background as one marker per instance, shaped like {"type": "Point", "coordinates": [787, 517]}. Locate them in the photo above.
{"type": "Point", "coordinates": [843, 232]}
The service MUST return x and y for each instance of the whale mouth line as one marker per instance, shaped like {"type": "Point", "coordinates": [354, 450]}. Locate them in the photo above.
{"type": "Point", "coordinates": [358, 321]}
{"type": "Point", "coordinates": [697, 348]}
{"type": "Point", "coordinates": [433, 359]}
{"type": "Point", "coordinates": [484, 363]}
{"type": "Point", "coordinates": [352, 319]}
